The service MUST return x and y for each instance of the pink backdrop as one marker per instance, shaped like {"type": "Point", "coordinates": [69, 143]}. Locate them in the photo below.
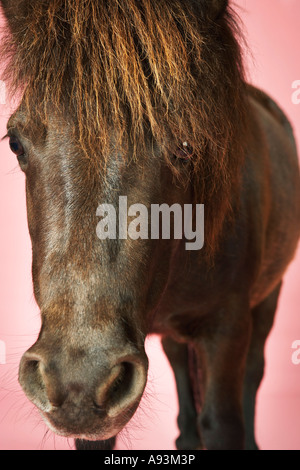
{"type": "Point", "coordinates": [272, 30]}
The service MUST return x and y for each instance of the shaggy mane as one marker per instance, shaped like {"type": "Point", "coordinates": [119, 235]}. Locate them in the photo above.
{"type": "Point", "coordinates": [139, 67]}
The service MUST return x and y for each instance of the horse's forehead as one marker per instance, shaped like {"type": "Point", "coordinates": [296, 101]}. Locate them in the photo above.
{"type": "Point", "coordinates": [56, 143]}
{"type": "Point", "coordinates": [54, 127]}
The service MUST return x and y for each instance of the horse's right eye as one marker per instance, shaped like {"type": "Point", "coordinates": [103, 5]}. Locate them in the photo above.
{"type": "Point", "coordinates": [16, 147]}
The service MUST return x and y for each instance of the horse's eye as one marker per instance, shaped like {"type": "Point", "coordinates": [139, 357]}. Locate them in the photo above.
{"type": "Point", "coordinates": [184, 152]}
{"type": "Point", "coordinates": [16, 147]}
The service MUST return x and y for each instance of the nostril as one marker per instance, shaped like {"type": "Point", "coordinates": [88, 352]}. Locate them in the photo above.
{"type": "Point", "coordinates": [123, 388]}
{"type": "Point", "coordinates": [31, 380]}
{"type": "Point", "coordinates": [39, 385]}
{"type": "Point", "coordinates": [123, 382]}
{"type": "Point", "coordinates": [31, 368]}
{"type": "Point", "coordinates": [29, 375]}
{"type": "Point", "coordinates": [105, 390]}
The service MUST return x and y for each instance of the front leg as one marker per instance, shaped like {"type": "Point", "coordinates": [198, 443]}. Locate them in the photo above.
{"type": "Point", "coordinates": [262, 319]}
{"type": "Point", "coordinates": [178, 356]}
{"type": "Point", "coordinates": [222, 349]}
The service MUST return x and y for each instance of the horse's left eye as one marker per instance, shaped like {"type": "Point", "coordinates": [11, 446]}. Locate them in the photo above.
{"type": "Point", "coordinates": [16, 146]}
{"type": "Point", "coordinates": [184, 152]}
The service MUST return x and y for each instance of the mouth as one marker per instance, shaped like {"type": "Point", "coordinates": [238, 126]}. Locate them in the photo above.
{"type": "Point", "coordinates": [99, 426]}
{"type": "Point", "coordinates": [88, 436]}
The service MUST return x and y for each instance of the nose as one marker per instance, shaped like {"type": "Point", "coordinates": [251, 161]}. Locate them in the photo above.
{"type": "Point", "coordinates": [109, 388]}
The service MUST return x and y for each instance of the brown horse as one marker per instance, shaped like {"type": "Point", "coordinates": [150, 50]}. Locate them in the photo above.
{"type": "Point", "coordinates": [148, 100]}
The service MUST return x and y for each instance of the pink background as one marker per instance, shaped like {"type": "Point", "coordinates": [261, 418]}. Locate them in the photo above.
{"type": "Point", "coordinates": [272, 30]}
